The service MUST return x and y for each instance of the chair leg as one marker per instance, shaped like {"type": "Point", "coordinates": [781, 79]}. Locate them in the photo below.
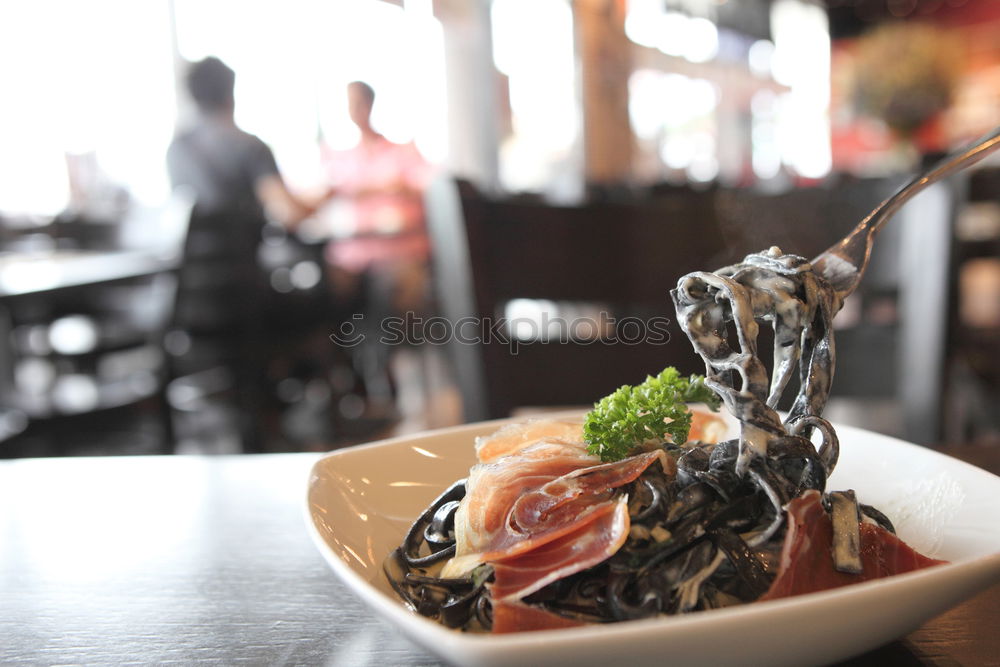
{"type": "Point", "coordinates": [168, 433]}
{"type": "Point", "coordinates": [250, 379]}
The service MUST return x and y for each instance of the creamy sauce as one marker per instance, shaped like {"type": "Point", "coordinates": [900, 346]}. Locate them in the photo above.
{"type": "Point", "coordinates": [721, 313]}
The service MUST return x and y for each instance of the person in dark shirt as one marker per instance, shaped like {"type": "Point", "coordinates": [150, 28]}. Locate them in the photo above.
{"type": "Point", "coordinates": [229, 170]}
{"type": "Point", "coordinates": [224, 305]}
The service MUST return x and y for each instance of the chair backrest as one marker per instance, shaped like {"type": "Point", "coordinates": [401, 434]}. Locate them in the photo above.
{"type": "Point", "coordinates": [625, 257]}
{"type": "Point", "coordinates": [616, 262]}
{"type": "Point", "coordinates": [220, 290]}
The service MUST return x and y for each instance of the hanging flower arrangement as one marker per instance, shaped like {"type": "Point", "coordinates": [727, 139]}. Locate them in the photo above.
{"type": "Point", "coordinates": [905, 74]}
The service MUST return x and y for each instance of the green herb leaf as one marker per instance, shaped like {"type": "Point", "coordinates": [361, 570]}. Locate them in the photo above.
{"type": "Point", "coordinates": [630, 416]}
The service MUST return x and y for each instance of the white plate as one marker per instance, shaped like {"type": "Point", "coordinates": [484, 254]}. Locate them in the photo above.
{"type": "Point", "coordinates": [362, 500]}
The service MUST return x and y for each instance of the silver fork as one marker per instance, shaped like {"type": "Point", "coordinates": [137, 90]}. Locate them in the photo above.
{"type": "Point", "coordinates": [844, 263]}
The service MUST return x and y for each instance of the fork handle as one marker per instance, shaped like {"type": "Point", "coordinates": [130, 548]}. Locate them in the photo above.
{"type": "Point", "coordinates": [971, 154]}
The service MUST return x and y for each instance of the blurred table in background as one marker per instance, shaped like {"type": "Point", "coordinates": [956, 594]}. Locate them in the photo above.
{"type": "Point", "coordinates": [195, 560]}
{"type": "Point", "coordinates": [84, 305]}
{"type": "Point", "coordinates": [34, 272]}
{"type": "Point", "coordinates": [82, 330]}
{"type": "Point", "coordinates": [116, 331]}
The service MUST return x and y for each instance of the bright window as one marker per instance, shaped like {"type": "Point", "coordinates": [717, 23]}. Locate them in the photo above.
{"type": "Point", "coordinates": [533, 47]}
{"type": "Point", "coordinates": [92, 79]}
{"type": "Point", "coordinates": [293, 61]}
{"type": "Point", "coordinates": [801, 61]}
{"type": "Point", "coordinates": [674, 116]}
{"type": "Point", "coordinates": [93, 83]}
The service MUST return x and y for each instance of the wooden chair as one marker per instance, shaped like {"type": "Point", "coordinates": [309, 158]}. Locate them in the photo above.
{"type": "Point", "coordinates": [215, 339]}
{"type": "Point", "coordinates": [621, 259]}
{"type": "Point", "coordinates": [625, 257]}
{"type": "Point", "coordinates": [242, 317]}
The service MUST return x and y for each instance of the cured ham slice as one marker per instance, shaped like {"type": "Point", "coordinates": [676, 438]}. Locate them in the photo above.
{"type": "Point", "coordinates": [588, 545]}
{"type": "Point", "coordinates": [514, 616]}
{"type": "Point", "coordinates": [492, 489]}
{"type": "Point", "coordinates": [510, 439]}
{"type": "Point", "coordinates": [521, 502]}
{"type": "Point", "coordinates": [530, 492]}
{"type": "Point", "coordinates": [806, 564]}
{"type": "Point", "coordinates": [514, 437]}
{"type": "Point", "coordinates": [707, 427]}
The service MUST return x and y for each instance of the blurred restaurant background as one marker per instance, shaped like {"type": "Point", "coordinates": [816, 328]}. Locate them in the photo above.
{"type": "Point", "coordinates": [579, 156]}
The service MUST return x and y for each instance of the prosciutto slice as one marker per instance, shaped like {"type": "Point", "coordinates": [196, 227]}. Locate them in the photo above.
{"type": "Point", "coordinates": [513, 438]}
{"type": "Point", "coordinates": [515, 616]}
{"type": "Point", "coordinates": [806, 564]}
{"type": "Point", "coordinates": [588, 545]}
{"type": "Point", "coordinates": [540, 507]}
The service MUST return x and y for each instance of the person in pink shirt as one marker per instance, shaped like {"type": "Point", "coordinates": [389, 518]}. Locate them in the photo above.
{"type": "Point", "coordinates": [379, 264]}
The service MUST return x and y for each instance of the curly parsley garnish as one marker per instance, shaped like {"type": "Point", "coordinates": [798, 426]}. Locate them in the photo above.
{"type": "Point", "coordinates": [630, 416]}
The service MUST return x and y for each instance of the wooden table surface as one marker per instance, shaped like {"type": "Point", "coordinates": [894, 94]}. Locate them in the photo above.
{"type": "Point", "coordinates": [191, 560]}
